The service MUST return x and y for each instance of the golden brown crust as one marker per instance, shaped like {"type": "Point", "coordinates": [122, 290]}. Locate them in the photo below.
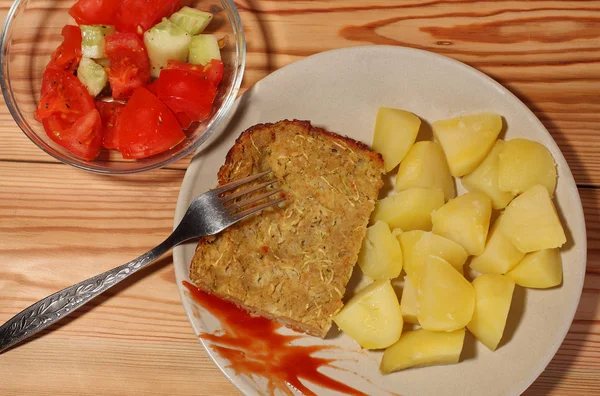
{"type": "Point", "coordinates": [292, 263]}
{"type": "Point", "coordinates": [354, 144]}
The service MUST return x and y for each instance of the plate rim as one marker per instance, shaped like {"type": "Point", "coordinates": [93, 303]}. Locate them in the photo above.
{"type": "Point", "coordinates": [196, 162]}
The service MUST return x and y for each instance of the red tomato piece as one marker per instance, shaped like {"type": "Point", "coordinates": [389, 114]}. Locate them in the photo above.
{"type": "Point", "coordinates": [55, 125]}
{"type": "Point", "coordinates": [184, 92]}
{"type": "Point", "coordinates": [129, 64]}
{"type": "Point", "coordinates": [109, 114]}
{"type": "Point", "coordinates": [146, 126]}
{"type": "Point", "coordinates": [94, 12]}
{"type": "Point", "coordinates": [212, 71]}
{"type": "Point", "coordinates": [184, 120]}
{"type": "Point", "coordinates": [153, 87]}
{"type": "Point", "coordinates": [63, 95]}
{"type": "Point", "coordinates": [49, 79]}
{"type": "Point", "coordinates": [82, 138]}
{"type": "Point", "coordinates": [68, 54]}
{"type": "Point", "coordinates": [137, 16]}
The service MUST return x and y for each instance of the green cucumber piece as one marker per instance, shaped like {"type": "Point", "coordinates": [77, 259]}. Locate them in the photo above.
{"type": "Point", "coordinates": [92, 40]}
{"type": "Point", "coordinates": [166, 41]}
{"type": "Point", "coordinates": [203, 48]}
{"type": "Point", "coordinates": [192, 20]}
{"type": "Point", "coordinates": [104, 62]}
{"type": "Point", "coordinates": [92, 75]}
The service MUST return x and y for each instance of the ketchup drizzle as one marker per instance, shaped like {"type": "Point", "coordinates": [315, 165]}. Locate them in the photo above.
{"type": "Point", "coordinates": [253, 346]}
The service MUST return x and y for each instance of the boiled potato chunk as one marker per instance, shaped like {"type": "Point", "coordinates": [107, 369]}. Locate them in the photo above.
{"type": "Point", "coordinates": [418, 245]}
{"type": "Point", "coordinates": [539, 270]}
{"type": "Point", "coordinates": [422, 347]}
{"type": "Point", "coordinates": [446, 299]}
{"type": "Point", "coordinates": [408, 303]}
{"type": "Point", "coordinates": [372, 317]}
{"type": "Point", "coordinates": [493, 295]}
{"type": "Point", "coordinates": [499, 255]}
{"type": "Point", "coordinates": [409, 209]}
{"type": "Point", "coordinates": [485, 179]}
{"type": "Point", "coordinates": [395, 133]}
{"type": "Point", "coordinates": [531, 223]}
{"type": "Point", "coordinates": [425, 166]}
{"type": "Point", "coordinates": [380, 256]}
{"type": "Point", "coordinates": [523, 164]}
{"type": "Point", "coordinates": [465, 220]}
{"type": "Point", "coordinates": [466, 140]}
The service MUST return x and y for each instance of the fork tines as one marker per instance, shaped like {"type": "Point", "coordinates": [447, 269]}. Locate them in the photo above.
{"type": "Point", "coordinates": [230, 186]}
{"type": "Point", "coordinates": [243, 208]}
{"type": "Point", "coordinates": [258, 208]}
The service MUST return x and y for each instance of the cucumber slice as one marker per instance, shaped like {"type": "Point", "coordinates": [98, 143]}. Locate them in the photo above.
{"type": "Point", "coordinates": [203, 48]}
{"type": "Point", "coordinates": [92, 75]}
{"type": "Point", "coordinates": [166, 41]}
{"type": "Point", "coordinates": [104, 62]}
{"type": "Point", "coordinates": [92, 40]}
{"type": "Point", "coordinates": [192, 20]}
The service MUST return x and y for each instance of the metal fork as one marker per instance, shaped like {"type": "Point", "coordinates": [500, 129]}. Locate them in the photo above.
{"type": "Point", "coordinates": [208, 214]}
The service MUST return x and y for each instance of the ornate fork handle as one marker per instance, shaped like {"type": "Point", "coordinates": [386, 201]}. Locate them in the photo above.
{"type": "Point", "coordinates": [54, 307]}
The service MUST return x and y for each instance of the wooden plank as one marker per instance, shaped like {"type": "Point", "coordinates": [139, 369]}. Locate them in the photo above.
{"type": "Point", "coordinates": [59, 226]}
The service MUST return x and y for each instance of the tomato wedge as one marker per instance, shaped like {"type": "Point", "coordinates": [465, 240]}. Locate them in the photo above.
{"type": "Point", "coordinates": [94, 12]}
{"type": "Point", "coordinates": [185, 92]}
{"type": "Point", "coordinates": [83, 138]}
{"type": "Point", "coordinates": [109, 114]}
{"type": "Point", "coordinates": [63, 95]}
{"type": "Point", "coordinates": [55, 125]}
{"type": "Point", "coordinates": [68, 115]}
{"type": "Point", "coordinates": [137, 16]}
{"type": "Point", "coordinates": [49, 80]}
{"type": "Point", "coordinates": [212, 71]}
{"type": "Point", "coordinates": [153, 87]}
{"type": "Point", "coordinates": [146, 126]}
{"type": "Point", "coordinates": [68, 54]}
{"type": "Point", "coordinates": [184, 120]}
{"type": "Point", "coordinates": [129, 64]}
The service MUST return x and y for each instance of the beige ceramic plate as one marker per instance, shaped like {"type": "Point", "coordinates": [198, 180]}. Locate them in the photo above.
{"type": "Point", "coordinates": [341, 90]}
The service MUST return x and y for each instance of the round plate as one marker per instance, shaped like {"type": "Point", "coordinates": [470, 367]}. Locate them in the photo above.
{"type": "Point", "coordinates": [341, 90]}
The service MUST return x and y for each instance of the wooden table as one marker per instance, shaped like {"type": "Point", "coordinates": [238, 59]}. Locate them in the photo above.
{"type": "Point", "coordinates": [59, 225]}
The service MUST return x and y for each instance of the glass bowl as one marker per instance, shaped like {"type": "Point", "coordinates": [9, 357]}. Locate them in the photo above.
{"type": "Point", "coordinates": [32, 32]}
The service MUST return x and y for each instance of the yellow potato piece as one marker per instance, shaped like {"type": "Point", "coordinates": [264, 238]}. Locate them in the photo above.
{"type": "Point", "coordinates": [372, 317]}
{"type": "Point", "coordinates": [418, 245]}
{"type": "Point", "coordinates": [409, 209]}
{"type": "Point", "coordinates": [446, 299]}
{"type": "Point", "coordinates": [425, 167]}
{"type": "Point", "coordinates": [539, 270]}
{"type": "Point", "coordinates": [523, 164]}
{"type": "Point", "coordinates": [465, 220]}
{"type": "Point", "coordinates": [408, 303]}
{"type": "Point", "coordinates": [531, 223]}
{"type": "Point", "coordinates": [466, 140]}
{"type": "Point", "coordinates": [493, 295]}
{"type": "Point", "coordinates": [499, 255]}
{"type": "Point", "coordinates": [422, 347]}
{"type": "Point", "coordinates": [395, 133]}
{"type": "Point", "coordinates": [485, 178]}
{"type": "Point", "coordinates": [380, 256]}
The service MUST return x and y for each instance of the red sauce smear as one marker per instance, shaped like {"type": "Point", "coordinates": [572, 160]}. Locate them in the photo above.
{"type": "Point", "coordinates": [254, 347]}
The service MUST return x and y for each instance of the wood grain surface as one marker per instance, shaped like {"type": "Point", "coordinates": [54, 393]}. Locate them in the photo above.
{"type": "Point", "coordinates": [59, 225]}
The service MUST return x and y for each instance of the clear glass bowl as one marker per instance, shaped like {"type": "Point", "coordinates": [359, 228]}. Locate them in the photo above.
{"type": "Point", "coordinates": [32, 32]}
